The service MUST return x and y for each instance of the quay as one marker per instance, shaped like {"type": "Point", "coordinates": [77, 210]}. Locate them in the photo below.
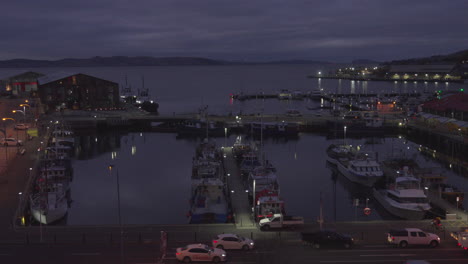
{"type": "Point", "coordinates": [369, 78]}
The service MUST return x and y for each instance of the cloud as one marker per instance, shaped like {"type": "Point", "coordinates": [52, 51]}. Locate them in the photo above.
{"type": "Point", "coordinates": [232, 29]}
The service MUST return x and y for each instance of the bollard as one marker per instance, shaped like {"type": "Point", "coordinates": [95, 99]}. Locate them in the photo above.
{"type": "Point", "coordinates": [83, 238]}
{"type": "Point", "coordinates": [139, 238]}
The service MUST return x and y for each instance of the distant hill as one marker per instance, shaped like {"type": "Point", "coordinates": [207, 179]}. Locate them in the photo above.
{"type": "Point", "coordinates": [110, 61]}
{"type": "Point", "coordinates": [365, 61]}
{"type": "Point", "coordinates": [116, 61]}
{"type": "Point", "coordinates": [452, 58]}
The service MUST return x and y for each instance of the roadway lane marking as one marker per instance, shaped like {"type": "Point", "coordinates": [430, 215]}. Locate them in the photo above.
{"type": "Point", "coordinates": [391, 255]}
{"type": "Point", "coordinates": [86, 254]}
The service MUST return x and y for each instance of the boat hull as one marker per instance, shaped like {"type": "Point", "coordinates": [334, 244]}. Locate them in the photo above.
{"type": "Point", "coordinates": [398, 211]}
{"type": "Point", "coordinates": [208, 218]}
{"type": "Point", "coordinates": [49, 216]}
{"type": "Point", "coordinates": [367, 181]}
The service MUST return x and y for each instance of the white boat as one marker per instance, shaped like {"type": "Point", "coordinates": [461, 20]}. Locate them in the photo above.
{"type": "Point", "coordinates": [364, 171]}
{"type": "Point", "coordinates": [335, 152]}
{"type": "Point", "coordinates": [404, 199]}
{"type": "Point", "coordinates": [50, 205]}
{"type": "Point", "coordinates": [62, 137]}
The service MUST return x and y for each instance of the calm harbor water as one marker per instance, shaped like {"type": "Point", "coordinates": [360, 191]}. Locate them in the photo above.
{"type": "Point", "coordinates": [154, 169]}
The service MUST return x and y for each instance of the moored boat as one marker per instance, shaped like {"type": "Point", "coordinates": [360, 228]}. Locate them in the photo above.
{"type": "Point", "coordinates": [405, 198]}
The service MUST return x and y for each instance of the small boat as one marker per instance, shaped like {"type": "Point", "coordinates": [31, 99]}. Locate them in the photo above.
{"type": "Point", "coordinates": [201, 128]}
{"type": "Point", "coordinates": [405, 198]}
{"type": "Point", "coordinates": [249, 162]}
{"type": "Point", "coordinates": [360, 169]}
{"type": "Point", "coordinates": [262, 179]}
{"type": "Point", "coordinates": [269, 205]}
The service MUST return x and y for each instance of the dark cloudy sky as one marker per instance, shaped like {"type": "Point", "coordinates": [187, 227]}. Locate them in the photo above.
{"type": "Point", "coordinates": [336, 30]}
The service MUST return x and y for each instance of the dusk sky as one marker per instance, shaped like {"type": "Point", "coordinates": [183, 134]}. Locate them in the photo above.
{"type": "Point", "coordinates": [333, 30]}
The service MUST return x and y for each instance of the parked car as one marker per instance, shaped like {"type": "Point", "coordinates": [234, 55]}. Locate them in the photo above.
{"type": "Point", "coordinates": [280, 221]}
{"type": "Point", "coordinates": [328, 239]}
{"type": "Point", "coordinates": [232, 241]}
{"type": "Point", "coordinates": [21, 127]}
{"type": "Point", "coordinates": [412, 236]}
{"type": "Point", "coordinates": [10, 142]}
{"type": "Point", "coordinates": [200, 252]}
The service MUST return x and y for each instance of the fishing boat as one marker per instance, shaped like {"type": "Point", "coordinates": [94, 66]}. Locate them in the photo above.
{"type": "Point", "coordinates": [50, 204]}
{"type": "Point", "coordinates": [208, 202]}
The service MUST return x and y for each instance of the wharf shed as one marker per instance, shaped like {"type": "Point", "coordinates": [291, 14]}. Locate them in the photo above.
{"type": "Point", "coordinates": [424, 72]}
{"type": "Point", "coordinates": [21, 83]}
{"type": "Point", "coordinates": [454, 106]}
{"type": "Point", "coordinates": [77, 91]}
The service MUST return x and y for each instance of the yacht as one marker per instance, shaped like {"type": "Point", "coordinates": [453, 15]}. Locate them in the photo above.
{"type": "Point", "coordinates": [405, 198]}
{"type": "Point", "coordinates": [360, 169]}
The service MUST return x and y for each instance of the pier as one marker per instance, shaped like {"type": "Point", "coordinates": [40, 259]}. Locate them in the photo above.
{"type": "Point", "coordinates": [240, 203]}
{"type": "Point", "coordinates": [381, 79]}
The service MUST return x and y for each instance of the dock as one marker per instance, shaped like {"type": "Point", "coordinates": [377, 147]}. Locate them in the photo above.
{"type": "Point", "coordinates": [239, 199]}
{"type": "Point", "coordinates": [380, 79]}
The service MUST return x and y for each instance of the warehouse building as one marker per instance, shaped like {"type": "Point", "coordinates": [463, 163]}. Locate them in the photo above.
{"type": "Point", "coordinates": [77, 91]}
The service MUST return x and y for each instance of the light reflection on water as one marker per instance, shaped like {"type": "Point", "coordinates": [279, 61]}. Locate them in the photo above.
{"type": "Point", "coordinates": [155, 180]}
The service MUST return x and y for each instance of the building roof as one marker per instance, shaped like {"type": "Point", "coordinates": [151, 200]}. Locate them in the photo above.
{"type": "Point", "coordinates": [457, 102]}
{"type": "Point", "coordinates": [52, 77]}
{"type": "Point", "coordinates": [61, 75]}
{"type": "Point", "coordinates": [18, 74]}
{"type": "Point", "coordinates": [421, 68]}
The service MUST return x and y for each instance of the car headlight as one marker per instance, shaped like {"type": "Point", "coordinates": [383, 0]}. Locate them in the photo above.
{"type": "Point", "coordinates": [223, 255]}
{"type": "Point", "coordinates": [251, 243]}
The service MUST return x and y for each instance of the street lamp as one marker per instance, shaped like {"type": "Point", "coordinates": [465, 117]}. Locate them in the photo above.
{"type": "Point", "coordinates": [24, 107]}
{"type": "Point", "coordinates": [344, 138]}
{"type": "Point", "coordinates": [17, 136]}
{"type": "Point", "coordinates": [253, 200]}
{"type": "Point", "coordinates": [225, 137]}
{"type": "Point", "coordinates": [110, 167]}
{"type": "Point", "coordinates": [21, 111]}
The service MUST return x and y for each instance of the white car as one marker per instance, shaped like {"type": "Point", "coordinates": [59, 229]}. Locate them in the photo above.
{"type": "Point", "coordinates": [10, 142]}
{"type": "Point", "coordinates": [232, 241]}
{"type": "Point", "coordinates": [21, 126]}
{"type": "Point", "coordinates": [200, 252]}
{"type": "Point", "coordinates": [412, 236]}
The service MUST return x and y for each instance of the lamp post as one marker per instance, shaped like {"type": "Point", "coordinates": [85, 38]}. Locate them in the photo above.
{"type": "Point", "coordinates": [119, 215]}
{"type": "Point", "coordinates": [21, 111]}
{"type": "Point", "coordinates": [9, 118]}
{"type": "Point", "coordinates": [344, 138]}
{"type": "Point", "coordinates": [225, 137]}
{"type": "Point", "coordinates": [253, 200]}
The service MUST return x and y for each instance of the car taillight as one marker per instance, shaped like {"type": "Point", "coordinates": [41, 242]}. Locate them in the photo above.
{"type": "Point", "coordinates": [215, 241]}
{"type": "Point", "coordinates": [458, 244]}
{"type": "Point", "coordinates": [177, 253]}
{"type": "Point", "coordinates": [465, 248]}
{"type": "Point", "coordinates": [393, 238]}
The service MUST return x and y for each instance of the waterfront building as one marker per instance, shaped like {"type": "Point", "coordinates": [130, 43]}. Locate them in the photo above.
{"type": "Point", "coordinates": [77, 91]}
{"type": "Point", "coordinates": [448, 72]}
{"type": "Point", "coordinates": [454, 106]}
{"type": "Point", "coordinates": [20, 84]}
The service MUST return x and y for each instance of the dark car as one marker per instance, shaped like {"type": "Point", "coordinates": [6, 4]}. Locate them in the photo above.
{"type": "Point", "coordinates": [328, 239]}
